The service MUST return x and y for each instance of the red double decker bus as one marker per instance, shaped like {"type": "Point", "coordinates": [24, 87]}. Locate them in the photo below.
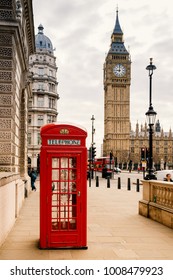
{"type": "Point", "coordinates": [103, 162]}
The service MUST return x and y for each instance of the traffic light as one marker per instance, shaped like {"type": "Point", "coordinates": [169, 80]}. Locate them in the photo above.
{"type": "Point", "coordinates": [111, 155]}
{"type": "Point", "coordinates": [143, 154]}
{"type": "Point", "coordinates": [90, 154]}
{"type": "Point", "coordinates": [93, 152]}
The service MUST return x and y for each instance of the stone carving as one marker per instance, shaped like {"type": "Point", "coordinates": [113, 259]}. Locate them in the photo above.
{"type": "Point", "coordinates": [5, 63]}
{"type": "Point", "coordinates": [5, 100]}
{"type": "Point", "coordinates": [5, 76]}
{"type": "Point", "coordinates": [5, 88]}
{"type": "Point", "coordinates": [5, 124]}
{"type": "Point", "coordinates": [18, 8]}
{"type": "Point", "coordinates": [6, 3]}
{"type": "Point", "coordinates": [4, 14]}
{"type": "Point", "coordinates": [5, 39]}
{"type": "Point", "coordinates": [5, 148]}
{"type": "Point", "coordinates": [5, 112]}
{"type": "Point", "coordinates": [5, 159]}
{"type": "Point", "coordinates": [5, 135]}
{"type": "Point", "coordinates": [5, 52]}
{"type": "Point", "coordinates": [5, 169]}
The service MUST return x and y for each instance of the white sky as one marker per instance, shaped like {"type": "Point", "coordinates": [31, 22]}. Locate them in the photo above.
{"type": "Point", "coordinates": [80, 30]}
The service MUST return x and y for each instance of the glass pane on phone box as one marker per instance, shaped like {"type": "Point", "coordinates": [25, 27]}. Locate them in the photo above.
{"type": "Point", "coordinates": [55, 162]}
{"type": "Point", "coordinates": [72, 187]}
{"type": "Point", "coordinates": [63, 209]}
{"type": "Point", "coordinates": [72, 162]}
{"type": "Point", "coordinates": [72, 174]}
{"type": "Point", "coordinates": [54, 215]}
{"type": "Point", "coordinates": [54, 225]}
{"type": "Point", "coordinates": [54, 212]}
{"type": "Point", "coordinates": [73, 224]}
{"type": "Point", "coordinates": [64, 175]}
{"type": "Point", "coordinates": [64, 212]}
{"type": "Point", "coordinates": [64, 162]}
{"type": "Point", "coordinates": [55, 198]}
{"type": "Point", "coordinates": [64, 224]}
{"type": "Point", "coordinates": [64, 187]}
{"type": "Point", "coordinates": [54, 186]}
{"type": "Point", "coordinates": [74, 196]}
{"type": "Point", "coordinates": [55, 174]}
{"type": "Point", "coordinates": [64, 199]}
{"type": "Point", "coordinates": [72, 211]}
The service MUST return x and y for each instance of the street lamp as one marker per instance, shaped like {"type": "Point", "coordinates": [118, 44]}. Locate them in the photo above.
{"type": "Point", "coordinates": [92, 149]}
{"type": "Point", "coordinates": [151, 116]}
{"type": "Point", "coordinates": [93, 130]}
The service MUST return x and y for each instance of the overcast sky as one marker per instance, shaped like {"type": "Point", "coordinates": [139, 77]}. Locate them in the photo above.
{"type": "Point", "coordinates": [80, 30]}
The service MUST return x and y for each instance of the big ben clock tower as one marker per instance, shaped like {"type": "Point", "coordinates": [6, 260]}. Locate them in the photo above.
{"type": "Point", "coordinates": [117, 72]}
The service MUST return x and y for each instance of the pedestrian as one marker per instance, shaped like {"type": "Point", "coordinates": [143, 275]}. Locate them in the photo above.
{"type": "Point", "coordinates": [168, 178]}
{"type": "Point", "coordinates": [33, 176]}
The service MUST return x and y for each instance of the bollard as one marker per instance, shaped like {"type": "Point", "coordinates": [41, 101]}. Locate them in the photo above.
{"type": "Point", "coordinates": [90, 180]}
{"type": "Point", "coordinates": [97, 181]}
{"type": "Point", "coordinates": [90, 177]}
{"type": "Point", "coordinates": [137, 185]}
{"type": "Point", "coordinates": [128, 185]}
{"type": "Point", "coordinates": [119, 183]}
{"type": "Point", "coordinates": [92, 174]}
{"type": "Point", "coordinates": [108, 182]}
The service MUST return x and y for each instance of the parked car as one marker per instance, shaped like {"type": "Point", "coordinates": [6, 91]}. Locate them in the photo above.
{"type": "Point", "coordinates": [161, 174]}
{"type": "Point", "coordinates": [117, 169]}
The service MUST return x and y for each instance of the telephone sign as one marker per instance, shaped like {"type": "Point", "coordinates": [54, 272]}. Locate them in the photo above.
{"type": "Point", "coordinates": [63, 187]}
{"type": "Point", "coordinates": [63, 142]}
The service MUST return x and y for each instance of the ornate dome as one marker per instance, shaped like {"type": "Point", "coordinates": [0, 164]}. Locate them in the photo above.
{"type": "Point", "coordinates": [42, 41]}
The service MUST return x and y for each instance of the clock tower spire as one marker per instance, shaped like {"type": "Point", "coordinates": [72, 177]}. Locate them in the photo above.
{"type": "Point", "coordinates": [117, 28]}
{"type": "Point", "coordinates": [117, 72]}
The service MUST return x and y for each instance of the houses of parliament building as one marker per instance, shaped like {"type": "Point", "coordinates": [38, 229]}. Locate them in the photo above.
{"type": "Point", "coordinates": [119, 138]}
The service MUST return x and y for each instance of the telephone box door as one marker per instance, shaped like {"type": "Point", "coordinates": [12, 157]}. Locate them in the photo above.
{"type": "Point", "coordinates": [64, 200]}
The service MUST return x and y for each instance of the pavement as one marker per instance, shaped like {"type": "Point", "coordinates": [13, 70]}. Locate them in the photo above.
{"type": "Point", "coordinates": [115, 230]}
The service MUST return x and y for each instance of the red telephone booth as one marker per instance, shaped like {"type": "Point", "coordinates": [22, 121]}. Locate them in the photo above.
{"type": "Point", "coordinates": [63, 187]}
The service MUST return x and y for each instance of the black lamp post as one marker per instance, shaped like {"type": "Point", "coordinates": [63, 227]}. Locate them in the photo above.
{"type": "Point", "coordinates": [151, 116]}
{"type": "Point", "coordinates": [93, 130]}
{"type": "Point", "coordinates": [92, 147]}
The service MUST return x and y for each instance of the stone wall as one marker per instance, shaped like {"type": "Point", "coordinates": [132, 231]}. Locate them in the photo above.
{"type": "Point", "coordinates": [157, 202]}
{"type": "Point", "coordinates": [13, 191]}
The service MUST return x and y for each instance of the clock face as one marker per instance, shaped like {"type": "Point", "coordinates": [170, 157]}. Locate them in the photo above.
{"type": "Point", "coordinates": [119, 70]}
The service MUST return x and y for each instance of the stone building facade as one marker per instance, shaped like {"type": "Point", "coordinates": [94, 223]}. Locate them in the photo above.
{"type": "Point", "coordinates": [162, 146]}
{"type": "Point", "coordinates": [119, 138]}
{"type": "Point", "coordinates": [43, 104]}
{"type": "Point", "coordinates": [16, 45]}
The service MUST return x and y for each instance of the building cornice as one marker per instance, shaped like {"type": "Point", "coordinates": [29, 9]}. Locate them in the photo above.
{"type": "Point", "coordinates": [28, 13]}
